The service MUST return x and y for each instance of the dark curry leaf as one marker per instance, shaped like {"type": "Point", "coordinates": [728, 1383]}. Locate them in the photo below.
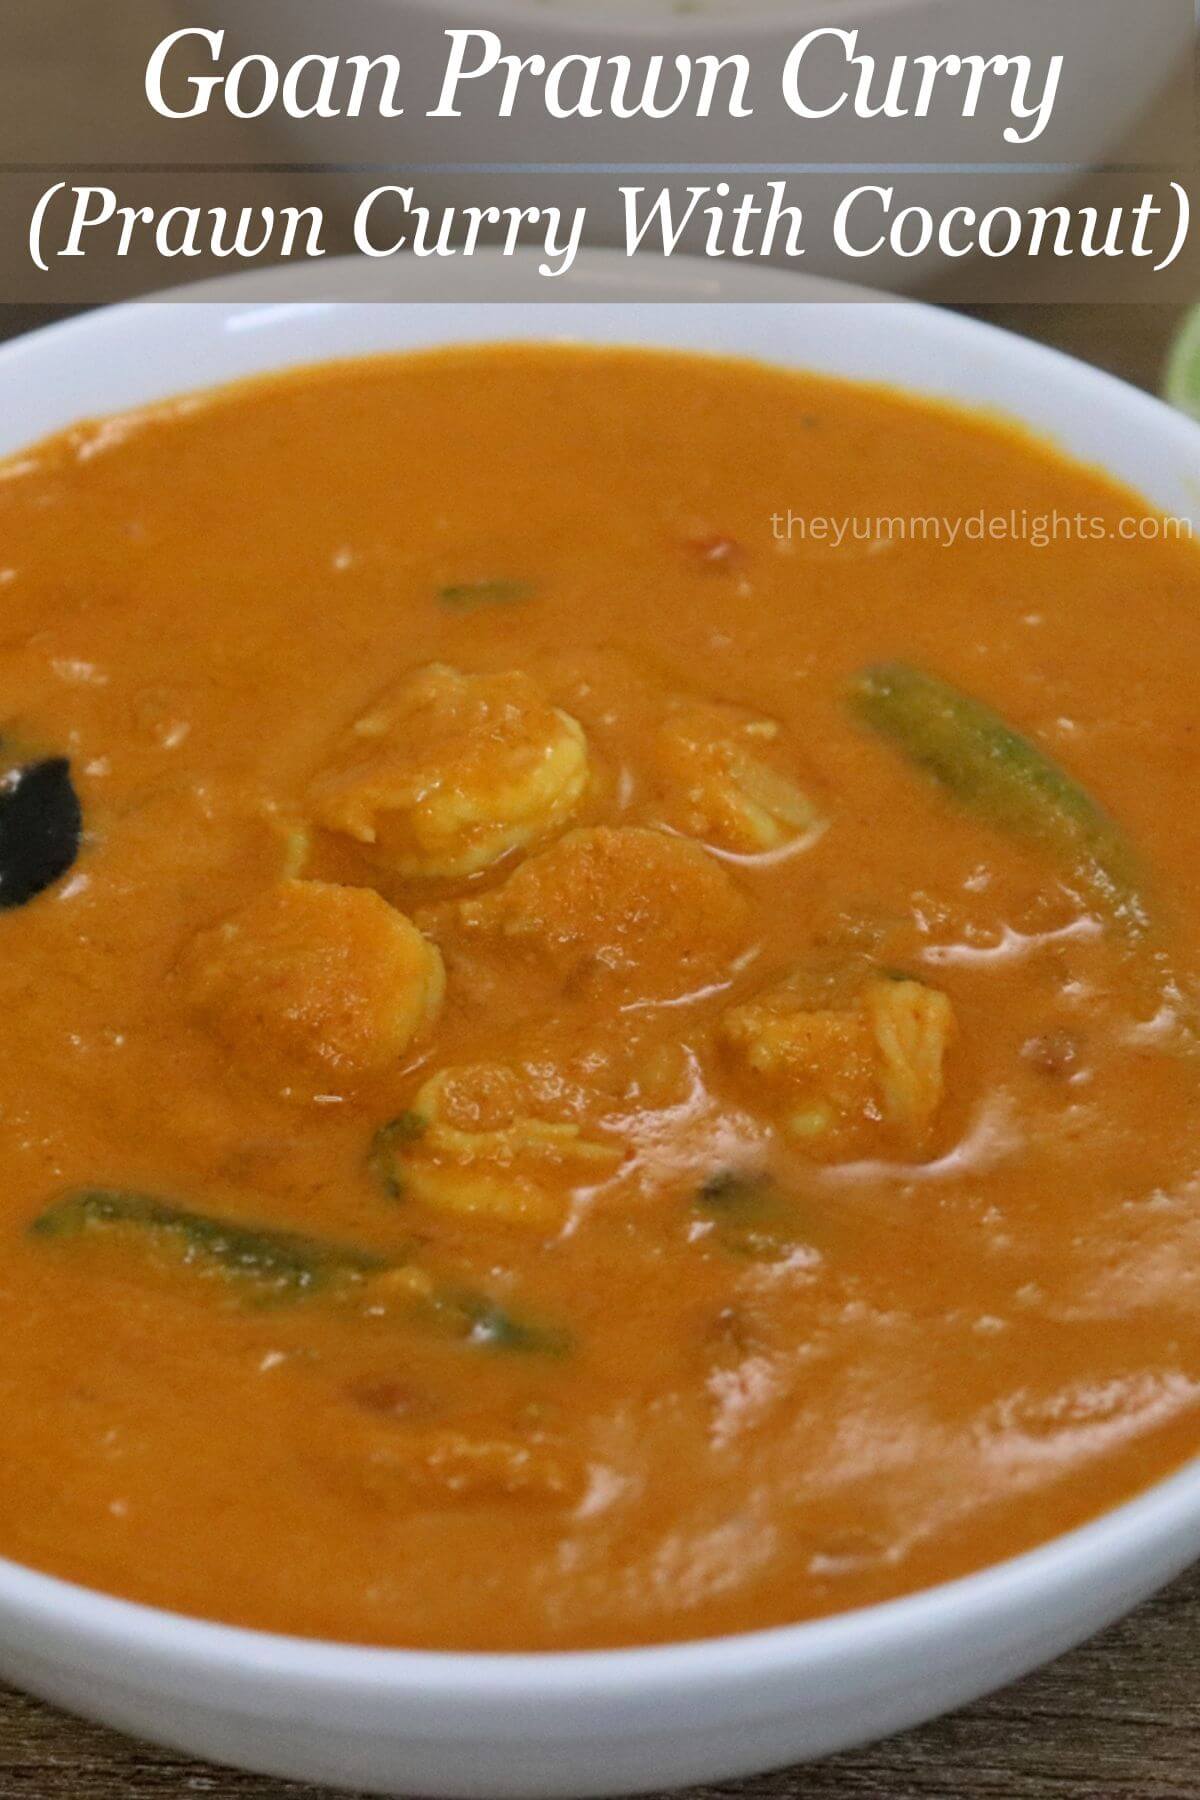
{"type": "Point", "coordinates": [40, 827]}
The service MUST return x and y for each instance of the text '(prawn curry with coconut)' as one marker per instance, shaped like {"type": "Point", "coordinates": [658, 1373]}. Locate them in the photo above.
{"type": "Point", "coordinates": [578, 1070]}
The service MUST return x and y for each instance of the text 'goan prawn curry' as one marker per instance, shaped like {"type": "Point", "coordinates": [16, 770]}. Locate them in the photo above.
{"type": "Point", "coordinates": [578, 1068]}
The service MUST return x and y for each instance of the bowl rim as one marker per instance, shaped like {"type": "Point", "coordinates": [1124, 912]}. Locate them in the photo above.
{"type": "Point", "coordinates": [1165, 1511]}
{"type": "Point", "coordinates": [1031, 1580]}
{"type": "Point", "coordinates": [582, 18]}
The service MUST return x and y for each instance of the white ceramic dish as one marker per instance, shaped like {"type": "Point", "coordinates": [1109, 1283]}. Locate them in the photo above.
{"type": "Point", "coordinates": [619, 1721]}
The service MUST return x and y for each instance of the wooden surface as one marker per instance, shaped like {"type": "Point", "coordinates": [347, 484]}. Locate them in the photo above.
{"type": "Point", "coordinates": [1117, 1720]}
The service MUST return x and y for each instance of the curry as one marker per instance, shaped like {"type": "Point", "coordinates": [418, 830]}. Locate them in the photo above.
{"type": "Point", "coordinates": [578, 1070]}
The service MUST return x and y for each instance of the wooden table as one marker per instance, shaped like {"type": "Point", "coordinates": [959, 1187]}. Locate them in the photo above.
{"type": "Point", "coordinates": [1117, 1720]}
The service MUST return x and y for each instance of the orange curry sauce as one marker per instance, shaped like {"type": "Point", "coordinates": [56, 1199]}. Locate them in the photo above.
{"type": "Point", "coordinates": [738, 1180]}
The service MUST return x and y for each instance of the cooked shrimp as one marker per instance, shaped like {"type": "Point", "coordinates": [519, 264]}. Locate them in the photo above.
{"type": "Point", "coordinates": [850, 1070]}
{"type": "Point", "coordinates": [493, 1141]}
{"type": "Point", "coordinates": [913, 1027]}
{"type": "Point", "coordinates": [448, 772]}
{"type": "Point", "coordinates": [717, 784]}
{"type": "Point", "coordinates": [620, 911]}
{"type": "Point", "coordinates": [315, 986]}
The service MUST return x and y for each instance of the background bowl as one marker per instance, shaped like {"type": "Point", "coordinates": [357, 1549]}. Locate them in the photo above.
{"type": "Point", "coordinates": [1126, 71]}
{"type": "Point", "coordinates": [596, 1723]}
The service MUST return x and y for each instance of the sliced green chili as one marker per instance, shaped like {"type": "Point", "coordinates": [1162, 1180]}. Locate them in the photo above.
{"type": "Point", "coordinates": [383, 1163]}
{"type": "Point", "coordinates": [290, 1265]}
{"type": "Point", "coordinates": [287, 1262]}
{"type": "Point", "coordinates": [752, 1214]}
{"type": "Point", "coordinates": [987, 766]}
{"type": "Point", "coordinates": [464, 596]}
{"type": "Point", "coordinates": [482, 1320]}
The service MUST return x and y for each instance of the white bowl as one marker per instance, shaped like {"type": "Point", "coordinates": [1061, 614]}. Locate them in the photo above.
{"type": "Point", "coordinates": [596, 1723]}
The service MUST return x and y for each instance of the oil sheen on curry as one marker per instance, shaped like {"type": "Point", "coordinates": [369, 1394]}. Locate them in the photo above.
{"type": "Point", "coordinates": [577, 1071]}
